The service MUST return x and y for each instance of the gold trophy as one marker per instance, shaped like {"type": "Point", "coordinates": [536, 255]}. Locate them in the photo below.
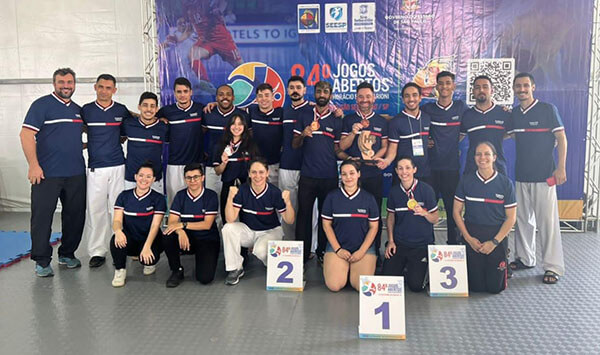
{"type": "Point", "coordinates": [365, 144]}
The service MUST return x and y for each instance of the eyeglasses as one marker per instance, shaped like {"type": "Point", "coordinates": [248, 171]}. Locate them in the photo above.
{"type": "Point", "coordinates": [193, 178]}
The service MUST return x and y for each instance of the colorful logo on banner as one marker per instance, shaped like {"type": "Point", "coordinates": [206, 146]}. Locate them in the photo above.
{"type": "Point", "coordinates": [410, 5]}
{"type": "Point", "coordinates": [426, 77]}
{"type": "Point", "coordinates": [368, 288]}
{"type": "Point", "coordinates": [436, 255]}
{"type": "Point", "coordinates": [245, 79]}
{"type": "Point", "coordinates": [336, 18]}
{"type": "Point", "coordinates": [308, 18]}
{"type": "Point", "coordinates": [275, 251]}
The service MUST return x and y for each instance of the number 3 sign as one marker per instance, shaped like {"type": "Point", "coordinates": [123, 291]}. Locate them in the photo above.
{"type": "Point", "coordinates": [382, 307]}
{"type": "Point", "coordinates": [448, 271]}
{"type": "Point", "coordinates": [285, 265]}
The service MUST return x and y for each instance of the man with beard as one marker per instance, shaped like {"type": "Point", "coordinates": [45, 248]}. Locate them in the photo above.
{"type": "Point", "coordinates": [318, 136]}
{"type": "Point", "coordinates": [485, 122]}
{"type": "Point", "coordinates": [185, 135]}
{"type": "Point", "coordinates": [356, 127]}
{"type": "Point", "coordinates": [444, 136]}
{"type": "Point", "coordinates": [51, 141]}
{"type": "Point", "coordinates": [106, 165]}
{"type": "Point", "coordinates": [537, 126]}
{"type": "Point", "coordinates": [213, 126]}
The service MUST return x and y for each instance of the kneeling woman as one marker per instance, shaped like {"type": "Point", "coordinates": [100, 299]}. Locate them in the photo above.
{"type": "Point", "coordinates": [256, 203]}
{"type": "Point", "coordinates": [136, 225]}
{"type": "Point", "coordinates": [412, 212]}
{"type": "Point", "coordinates": [489, 202]}
{"type": "Point", "coordinates": [350, 220]}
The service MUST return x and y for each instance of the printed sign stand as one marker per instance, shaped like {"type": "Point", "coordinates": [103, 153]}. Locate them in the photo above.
{"type": "Point", "coordinates": [448, 271]}
{"type": "Point", "coordinates": [285, 265]}
{"type": "Point", "coordinates": [382, 307]}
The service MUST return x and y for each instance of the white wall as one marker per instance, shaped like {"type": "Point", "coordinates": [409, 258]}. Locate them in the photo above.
{"type": "Point", "coordinates": [39, 36]}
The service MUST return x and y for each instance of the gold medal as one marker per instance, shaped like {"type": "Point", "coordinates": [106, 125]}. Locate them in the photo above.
{"type": "Point", "coordinates": [364, 122]}
{"type": "Point", "coordinates": [412, 203]}
{"type": "Point", "coordinates": [315, 125]}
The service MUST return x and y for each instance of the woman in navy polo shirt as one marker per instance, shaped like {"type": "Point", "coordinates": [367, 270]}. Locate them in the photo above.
{"type": "Point", "coordinates": [412, 212]}
{"type": "Point", "coordinates": [136, 225]}
{"type": "Point", "coordinates": [232, 156]}
{"type": "Point", "coordinates": [350, 220]}
{"type": "Point", "coordinates": [490, 212]}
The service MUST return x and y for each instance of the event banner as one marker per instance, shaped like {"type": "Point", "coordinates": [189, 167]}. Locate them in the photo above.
{"type": "Point", "coordinates": [387, 43]}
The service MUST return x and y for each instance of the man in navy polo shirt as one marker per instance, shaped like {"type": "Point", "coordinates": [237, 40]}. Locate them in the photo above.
{"type": "Point", "coordinates": [51, 141]}
{"type": "Point", "coordinates": [291, 158]}
{"type": "Point", "coordinates": [213, 125]}
{"type": "Point", "coordinates": [319, 137]}
{"type": "Point", "coordinates": [106, 165]}
{"type": "Point", "coordinates": [145, 136]}
{"type": "Point", "coordinates": [408, 134]}
{"type": "Point", "coordinates": [365, 136]}
{"type": "Point", "coordinates": [444, 136]}
{"type": "Point", "coordinates": [267, 129]}
{"type": "Point", "coordinates": [192, 228]}
{"type": "Point", "coordinates": [485, 122]}
{"type": "Point", "coordinates": [537, 126]}
{"type": "Point", "coordinates": [185, 135]}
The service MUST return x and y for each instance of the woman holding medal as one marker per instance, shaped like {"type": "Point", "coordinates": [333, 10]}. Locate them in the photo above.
{"type": "Point", "coordinates": [490, 212]}
{"type": "Point", "coordinates": [350, 220]}
{"type": "Point", "coordinates": [412, 212]}
{"type": "Point", "coordinates": [232, 156]}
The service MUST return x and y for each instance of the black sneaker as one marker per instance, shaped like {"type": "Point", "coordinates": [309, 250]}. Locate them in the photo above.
{"type": "Point", "coordinates": [175, 279]}
{"type": "Point", "coordinates": [97, 261]}
{"type": "Point", "coordinates": [233, 277]}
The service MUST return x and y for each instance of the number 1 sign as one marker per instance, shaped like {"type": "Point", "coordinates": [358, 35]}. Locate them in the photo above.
{"type": "Point", "coordinates": [382, 307]}
{"type": "Point", "coordinates": [285, 262]}
{"type": "Point", "coordinates": [448, 271]}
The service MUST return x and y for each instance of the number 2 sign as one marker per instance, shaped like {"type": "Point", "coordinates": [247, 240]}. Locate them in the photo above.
{"type": "Point", "coordinates": [448, 271]}
{"type": "Point", "coordinates": [285, 265]}
{"type": "Point", "coordinates": [382, 307]}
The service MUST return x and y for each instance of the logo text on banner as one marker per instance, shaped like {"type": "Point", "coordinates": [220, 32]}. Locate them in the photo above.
{"type": "Point", "coordinates": [448, 271]}
{"type": "Point", "coordinates": [382, 307]}
{"type": "Point", "coordinates": [285, 263]}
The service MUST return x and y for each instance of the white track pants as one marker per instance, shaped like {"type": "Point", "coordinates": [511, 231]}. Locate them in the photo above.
{"type": "Point", "coordinates": [237, 235]}
{"type": "Point", "coordinates": [175, 181]}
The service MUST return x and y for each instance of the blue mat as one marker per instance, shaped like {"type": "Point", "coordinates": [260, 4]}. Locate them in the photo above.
{"type": "Point", "coordinates": [15, 246]}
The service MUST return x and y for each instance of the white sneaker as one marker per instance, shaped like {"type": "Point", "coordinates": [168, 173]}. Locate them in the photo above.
{"type": "Point", "coordinates": [149, 270]}
{"type": "Point", "coordinates": [119, 279]}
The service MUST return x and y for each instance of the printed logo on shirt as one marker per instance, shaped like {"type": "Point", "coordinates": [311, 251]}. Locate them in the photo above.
{"type": "Point", "coordinates": [377, 129]}
{"type": "Point", "coordinates": [499, 122]}
{"type": "Point", "coordinates": [77, 115]}
{"type": "Point", "coordinates": [118, 119]}
{"type": "Point", "coordinates": [149, 208]}
{"type": "Point", "coordinates": [269, 208]}
{"type": "Point", "coordinates": [156, 137]}
{"type": "Point", "coordinates": [500, 196]}
{"type": "Point", "coordinates": [276, 118]}
{"type": "Point", "coordinates": [329, 129]}
{"type": "Point", "coordinates": [455, 118]}
{"type": "Point", "coordinates": [361, 210]}
{"type": "Point", "coordinates": [534, 123]}
{"type": "Point", "coordinates": [193, 114]}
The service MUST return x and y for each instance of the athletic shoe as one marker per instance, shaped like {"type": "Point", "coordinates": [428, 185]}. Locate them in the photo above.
{"type": "Point", "coordinates": [175, 279]}
{"type": "Point", "coordinates": [43, 271]}
{"type": "Point", "coordinates": [233, 277]}
{"type": "Point", "coordinates": [97, 261]}
{"type": "Point", "coordinates": [71, 263]}
{"type": "Point", "coordinates": [119, 279]}
{"type": "Point", "coordinates": [149, 269]}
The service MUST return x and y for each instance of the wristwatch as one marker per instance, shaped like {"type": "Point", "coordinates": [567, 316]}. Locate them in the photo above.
{"type": "Point", "coordinates": [185, 226]}
{"type": "Point", "coordinates": [495, 241]}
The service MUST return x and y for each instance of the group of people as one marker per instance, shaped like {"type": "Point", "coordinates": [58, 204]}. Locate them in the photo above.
{"type": "Point", "coordinates": [265, 168]}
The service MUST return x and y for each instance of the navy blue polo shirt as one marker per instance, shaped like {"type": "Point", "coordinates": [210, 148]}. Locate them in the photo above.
{"type": "Point", "coordinates": [104, 133]}
{"type": "Point", "coordinates": [378, 126]}
{"type": "Point", "coordinates": [214, 122]}
{"type": "Point", "coordinates": [291, 159]}
{"type": "Point", "coordinates": [196, 209]}
{"type": "Point", "coordinates": [237, 165]}
{"type": "Point", "coordinates": [138, 212]}
{"type": "Point", "coordinates": [259, 209]}
{"type": "Point", "coordinates": [534, 129]}
{"type": "Point", "coordinates": [144, 143]}
{"type": "Point", "coordinates": [486, 200]}
{"type": "Point", "coordinates": [481, 126]}
{"type": "Point", "coordinates": [410, 230]}
{"type": "Point", "coordinates": [403, 129]}
{"type": "Point", "coordinates": [351, 215]}
{"type": "Point", "coordinates": [445, 132]}
{"type": "Point", "coordinates": [185, 133]}
{"type": "Point", "coordinates": [319, 160]}
{"type": "Point", "coordinates": [267, 131]}
{"type": "Point", "coordinates": [58, 139]}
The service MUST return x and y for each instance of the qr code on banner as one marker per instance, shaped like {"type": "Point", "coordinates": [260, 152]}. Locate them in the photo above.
{"type": "Point", "coordinates": [500, 70]}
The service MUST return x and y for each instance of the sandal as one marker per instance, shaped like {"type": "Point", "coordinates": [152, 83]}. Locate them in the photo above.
{"type": "Point", "coordinates": [518, 265]}
{"type": "Point", "coordinates": [550, 277]}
